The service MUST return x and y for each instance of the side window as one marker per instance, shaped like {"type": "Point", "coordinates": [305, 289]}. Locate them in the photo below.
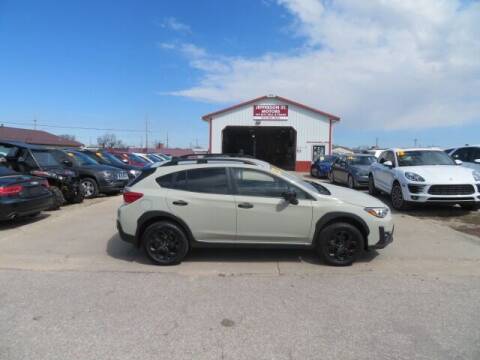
{"type": "Point", "coordinates": [390, 157]}
{"type": "Point", "coordinates": [475, 154]}
{"type": "Point", "coordinates": [257, 183]}
{"type": "Point", "coordinates": [382, 158]}
{"type": "Point", "coordinates": [208, 180]}
{"type": "Point", "coordinates": [462, 154]}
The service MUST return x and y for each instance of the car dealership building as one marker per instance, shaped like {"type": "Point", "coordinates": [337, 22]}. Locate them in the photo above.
{"type": "Point", "coordinates": [272, 128]}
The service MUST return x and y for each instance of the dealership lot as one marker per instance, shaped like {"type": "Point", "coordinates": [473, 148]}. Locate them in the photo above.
{"type": "Point", "coordinates": [416, 298]}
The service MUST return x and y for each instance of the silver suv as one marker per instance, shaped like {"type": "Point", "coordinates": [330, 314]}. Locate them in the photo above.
{"type": "Point", "coordinates": [173, 208]}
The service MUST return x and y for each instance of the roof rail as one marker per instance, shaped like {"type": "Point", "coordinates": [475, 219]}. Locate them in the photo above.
{"type": "Point", "coordinates": [181, 159]}
{"type": "Point", "coordinates": [200, 156]}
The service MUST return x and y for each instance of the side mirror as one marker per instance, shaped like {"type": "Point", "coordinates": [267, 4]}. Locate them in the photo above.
{"type": "Point", "coordinates": [388, 164]}
{"type": "Point", "coordinates": [458, 162]}
{"type": "Point", "coordinates": [67, 163]}
{"type": "Point", "coordinates": [476, 161]}
{"type": "Point", "coordinates": [291, 197]}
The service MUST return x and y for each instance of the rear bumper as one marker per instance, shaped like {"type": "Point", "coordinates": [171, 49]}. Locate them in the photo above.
{"type": "Point", "coordinates": [124, 236]}
{"type": "Point", "coordinates": [12, 208]}
{"type": "Point", "coordinates": [386, 238]}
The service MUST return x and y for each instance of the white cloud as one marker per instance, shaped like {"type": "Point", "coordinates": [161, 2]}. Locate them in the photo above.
{"type": "Point", "coordinates": [175, 25]}
{"type": "Point", "coordinates": [388, 63]}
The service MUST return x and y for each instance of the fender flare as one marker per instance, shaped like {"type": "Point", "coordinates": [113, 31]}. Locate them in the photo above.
{"type": "Point", "coordinates": [338, 215]}
{"type": "Point", "coordinates": [149, 217]}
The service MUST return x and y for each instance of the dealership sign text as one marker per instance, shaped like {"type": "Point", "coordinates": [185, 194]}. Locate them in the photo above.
{"type": "Point", "coordinates": [270, 112]}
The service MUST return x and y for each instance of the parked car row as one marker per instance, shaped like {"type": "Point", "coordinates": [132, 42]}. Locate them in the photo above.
{"type": "Point", "coordinates": [411, 176]}
{"type": "Point", "coordinates": [35, 178]}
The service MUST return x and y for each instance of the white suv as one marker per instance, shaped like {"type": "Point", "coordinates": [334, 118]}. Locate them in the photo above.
{"type": "Point", "coordinates": [424, 176]}
{"type": "Point", "coordinates": [175, 207]}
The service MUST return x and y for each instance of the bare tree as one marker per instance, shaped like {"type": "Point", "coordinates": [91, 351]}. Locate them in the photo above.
{"type": "Point", "coordinates": [68, 137]}
{"type": "Point", "coordinates": [109, 140]}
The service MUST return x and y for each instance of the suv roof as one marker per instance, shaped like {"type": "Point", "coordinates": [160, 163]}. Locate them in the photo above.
{"type": "Point", "coordinates": [24, 145]}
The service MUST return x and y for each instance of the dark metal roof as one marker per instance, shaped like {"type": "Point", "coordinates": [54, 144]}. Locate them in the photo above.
{"type": "Point", "coordinates": [38, 137]}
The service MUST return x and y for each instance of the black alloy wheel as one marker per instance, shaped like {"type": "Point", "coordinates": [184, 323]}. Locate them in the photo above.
{"type": "Point", "coordinates": [340, 244]}
{"type": "Point", "coordinates": [165, 243]}
{"type": "Point", "coordinates": [398, 202]}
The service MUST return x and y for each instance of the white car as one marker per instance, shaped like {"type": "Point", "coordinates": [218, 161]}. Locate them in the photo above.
{"type": "Point", "coordinates": [175, 207]}
{"type": "Point", "coordinates": [424, 176]}
{"type": "Point", "coordinates": [468, 155]}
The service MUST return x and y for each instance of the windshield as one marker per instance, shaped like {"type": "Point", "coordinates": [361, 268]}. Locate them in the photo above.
{"type": "Point", "coordinates": [154, 158]}
{"type": "Point", "coordinates": [137, 158]}
{"type": "Point", "coordinates": [109, 158]}
{"type": "Point", "coordinates": [82, 159]}
{"type": "Point", "coordinates": [312, 186]}
{"type": "Point", "coordinates": [361, 160]}
{"type": "Point", "coordinates": [419, 158]}
{"type": "Point", "coordinates": [45, 158]}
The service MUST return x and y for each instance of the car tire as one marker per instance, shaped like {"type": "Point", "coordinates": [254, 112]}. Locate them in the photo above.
{"type": "Point", "coordinates": [470, 207]}
{"type": "Point", "coordinates": [90, 188]}
{"type": "Point", "coordinates": [351, 182]}
{"type": "Point", "coordinates": [372, 190]}
{"type": "Point", "coordinates": [58, 198]}
{"type": "Point", "coordinates": [313, 171]}
{"type": "Point", "coordinates": [165, 243]}
{"type": "Point", "coordinates": [77, 197]}
{"type": "Point", "coordinates": [340, 244]}
{"type": "Point", "coordinates": [396, 196]}
{"type": "Point", "coordinates": [331, 177]}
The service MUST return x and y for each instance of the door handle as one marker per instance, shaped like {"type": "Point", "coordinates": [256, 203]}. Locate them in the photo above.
{"type": "Point", "coordinates": [245, 205]}
{"type": "Point", "coordinates": [180, 203]}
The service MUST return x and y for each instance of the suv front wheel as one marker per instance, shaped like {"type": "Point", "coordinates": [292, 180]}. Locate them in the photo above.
{"type": "Point", "coordinates": [340, 244]}
{"type": "Point", "coordinates": [165, 243]}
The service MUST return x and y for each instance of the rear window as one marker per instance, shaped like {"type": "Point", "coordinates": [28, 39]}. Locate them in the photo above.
{"type": "Point", "coordinates": [208, 180]}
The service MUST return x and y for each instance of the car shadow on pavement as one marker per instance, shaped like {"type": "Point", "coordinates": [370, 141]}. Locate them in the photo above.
{"type": "Point", "coordinates": [121, 250]}
{"type": "Point", "coordinates": [13, 224]}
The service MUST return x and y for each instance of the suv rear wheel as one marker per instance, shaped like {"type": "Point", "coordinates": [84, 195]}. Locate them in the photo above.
{"type": "Point", "coordinates": [340, 244]}
{"type": "Point", "coordinates": [165, 243]}
{"type": "Point", "coordinates": [372, 190]}
{"type": "Point", "coordinates": [58, 198]}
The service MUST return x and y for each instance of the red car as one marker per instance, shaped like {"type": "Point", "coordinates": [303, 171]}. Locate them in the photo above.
{"type": "Point", "coordinates": [130, 159]}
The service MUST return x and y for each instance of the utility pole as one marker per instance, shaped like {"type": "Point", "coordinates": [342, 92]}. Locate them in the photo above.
{"type": "Point", "coordinates": [167, 140]}
{"type": "Point", "coordinates": [35, 122]}
{"type": "Point", "coordinates": [146, 133]}
{"type": "Point", "coordinates": [376, 142]}
{"type": "Point", "coordinates": [415, 142]}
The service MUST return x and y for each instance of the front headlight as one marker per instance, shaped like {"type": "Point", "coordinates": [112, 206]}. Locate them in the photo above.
{"type": "Point", "coordinates": [107, 174]}
{"type": "Point", "coordinates": [380, 212]}
{"type": "Point", "coordinates": [414, 177]}
{"type": "Point", "coordinates": [135, 172]}
{"type": "Point", "coordinates": [476, 175]}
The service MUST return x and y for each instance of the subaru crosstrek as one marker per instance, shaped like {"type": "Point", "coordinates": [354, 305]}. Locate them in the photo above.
{"type": "Point", "coordinates": [170, 209]}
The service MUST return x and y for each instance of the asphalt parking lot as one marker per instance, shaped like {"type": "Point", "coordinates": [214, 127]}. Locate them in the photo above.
{"type": "Point", "coordinates": [70, 288]}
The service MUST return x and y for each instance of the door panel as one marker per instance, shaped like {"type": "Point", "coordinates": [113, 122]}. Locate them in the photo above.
{"type": "Point", "coordinates": [273, 220]}
{"type": "Point", "coordinates": [211, 217]}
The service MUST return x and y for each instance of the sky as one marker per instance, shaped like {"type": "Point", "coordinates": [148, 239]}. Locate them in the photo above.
{"type": "Point", "coordinates": [395, 71]}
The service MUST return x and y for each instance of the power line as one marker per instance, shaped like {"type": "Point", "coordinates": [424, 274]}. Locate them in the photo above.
{"type": "Point", "coordinates": [81, 127]}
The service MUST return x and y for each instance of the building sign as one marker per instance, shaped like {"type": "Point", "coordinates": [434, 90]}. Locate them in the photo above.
{"type": "Point", "coordinates": [270, 112]}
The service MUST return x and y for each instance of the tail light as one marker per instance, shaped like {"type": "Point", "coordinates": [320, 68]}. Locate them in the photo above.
{"type": "Point", "coordinates": [10, 190]}
{"type": "Point", "coordinates": [131, 196]}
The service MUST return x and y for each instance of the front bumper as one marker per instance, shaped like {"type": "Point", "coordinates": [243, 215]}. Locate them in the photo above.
{"type": "Point", "coordinates": [385, 238]}
{"type": "Point", "coordinates": [112, 186]}
{"type": "Point", "coordinates": [420, 193]}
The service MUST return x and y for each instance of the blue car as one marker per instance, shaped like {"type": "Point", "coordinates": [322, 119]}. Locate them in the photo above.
{"type": "Point", "coordinates": [321, 167]}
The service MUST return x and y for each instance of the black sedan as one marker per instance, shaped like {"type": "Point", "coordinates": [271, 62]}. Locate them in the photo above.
{"type": "Point", "coordinates": [22, 195]}
{"type": "Point", "coordinates": [352, 170]}
{"type": "Point", "coordinates": [94, 177]}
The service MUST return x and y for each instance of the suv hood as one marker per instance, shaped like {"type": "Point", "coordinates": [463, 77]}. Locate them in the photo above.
{"type": "Point", "coordinates": [353, 197]}
{"type": "Point", "coordinates": [100, 167]}
{"type": "Point", "coordinates": [447, 174]}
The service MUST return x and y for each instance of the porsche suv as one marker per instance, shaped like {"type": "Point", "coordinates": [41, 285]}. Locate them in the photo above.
{"type": "Point", "coordinates": [218, 203]}
{"type": "Point", "coordinates": [421, 176]}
